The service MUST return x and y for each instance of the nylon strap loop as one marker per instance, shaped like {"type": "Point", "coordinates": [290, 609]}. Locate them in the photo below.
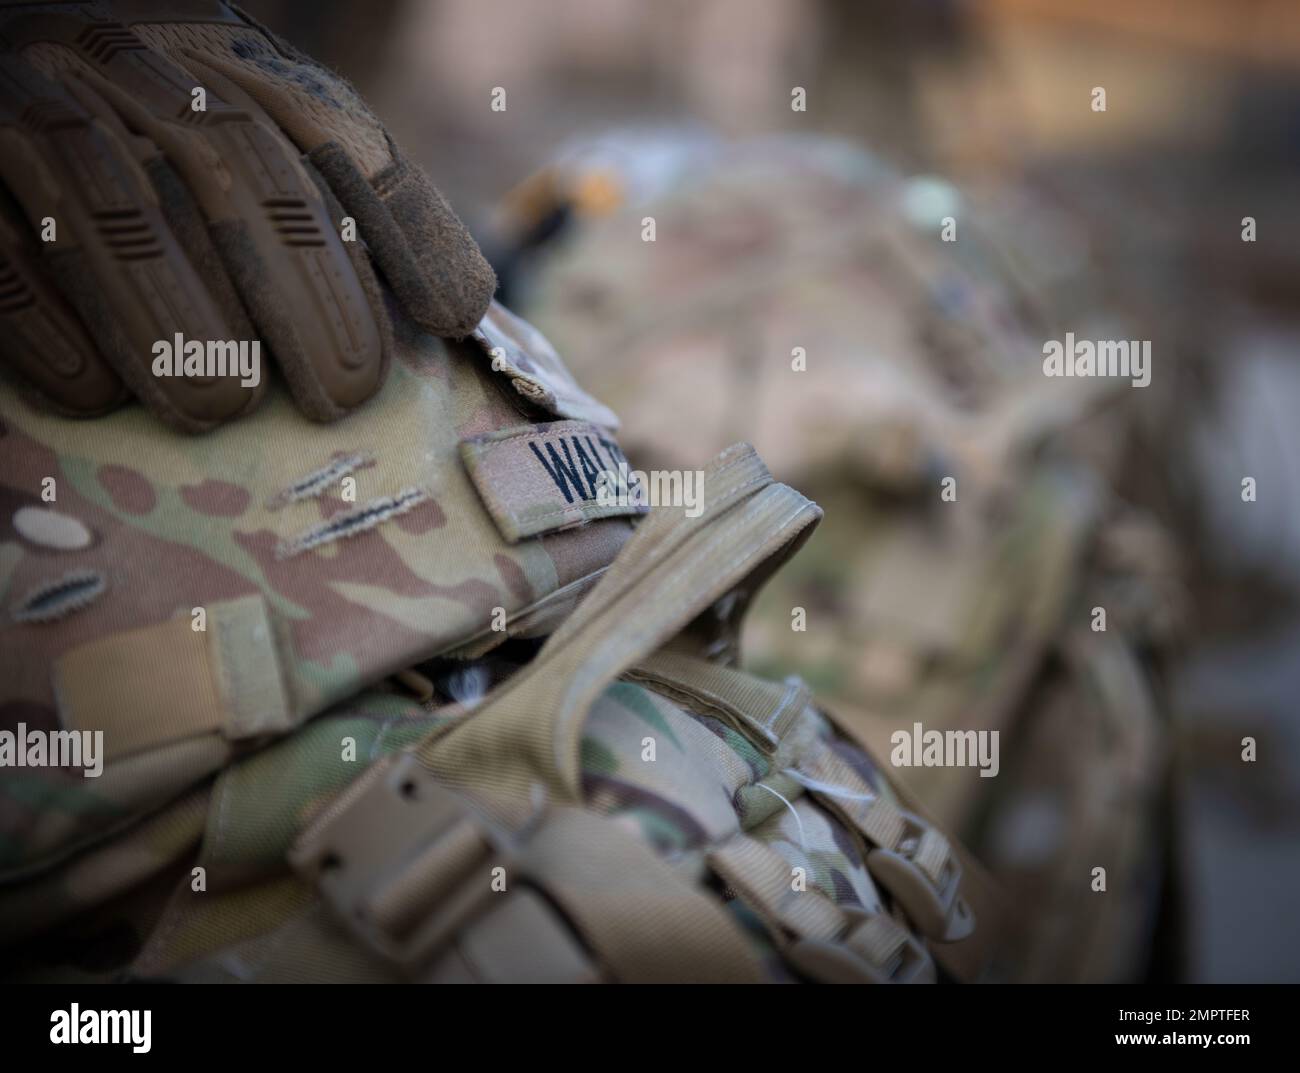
{"type": "Point", "coordinates": [157, 684]}
{"type": "Point", "coordinates": [762, 711]}
{"type": "Point", "coordinates": [911, 859]}
{"type": "Point", "coordinates": [762, 878]}
{"type": "Point", "coordinates": [932, 855]}
{"type": "Point", "coordinates": [645, 921]}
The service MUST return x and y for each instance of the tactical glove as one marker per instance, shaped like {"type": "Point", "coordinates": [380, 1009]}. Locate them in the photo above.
{"type": "Point", "coordinates": [180, 182]}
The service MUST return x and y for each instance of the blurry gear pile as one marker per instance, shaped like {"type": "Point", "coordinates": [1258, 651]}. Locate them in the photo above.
{"type": "Point", "coordinates": [976, 572]}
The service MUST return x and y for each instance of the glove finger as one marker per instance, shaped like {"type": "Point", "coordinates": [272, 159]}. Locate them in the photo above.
{"type": "Point", "coordinates": [265, 216]}
{"type": "Point", "coordinates": [317, 369]}
{"type": "Point", "coordinates": [178, 206]}
{"type": "Point", "coordinates": [113, 257]}
{"type": "Point", "coordinates": [424, 251]}
{"type": "Point", "coordinates": [41, 337]}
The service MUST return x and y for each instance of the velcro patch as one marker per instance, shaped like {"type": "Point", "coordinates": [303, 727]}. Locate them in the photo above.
{"type": "Point", "coordinates": [539, 478]}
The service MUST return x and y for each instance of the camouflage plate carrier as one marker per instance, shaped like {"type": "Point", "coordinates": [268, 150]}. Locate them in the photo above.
{"type": "Point", "coordinates": [398, 698]}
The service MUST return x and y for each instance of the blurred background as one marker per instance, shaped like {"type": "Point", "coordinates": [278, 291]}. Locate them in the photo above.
{"type": "Point", "coordinates": [1170, 214]}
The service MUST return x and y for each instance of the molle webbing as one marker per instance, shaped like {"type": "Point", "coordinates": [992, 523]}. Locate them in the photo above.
{"type": "Point", "coordinates": [433, 886]}
{"type": "Point", "coordinates": [828, 943]}
{"type": "Point", "coordinates": [763, 711]}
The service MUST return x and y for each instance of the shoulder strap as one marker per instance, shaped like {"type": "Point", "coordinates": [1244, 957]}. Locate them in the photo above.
{"type": "Point", "coordinates": [672, 569]}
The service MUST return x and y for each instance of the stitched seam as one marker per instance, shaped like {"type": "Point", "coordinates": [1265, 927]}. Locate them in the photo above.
{"type": "Point", "coordinates": [484, 443]}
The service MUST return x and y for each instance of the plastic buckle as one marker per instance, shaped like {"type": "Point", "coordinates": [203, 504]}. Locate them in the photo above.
{"type": "Point", "coordinates": [873, 950]}
{"type": "Point", "coordinates": [933, 904]}
{"type": "Point", "coordinates": [395, 856]}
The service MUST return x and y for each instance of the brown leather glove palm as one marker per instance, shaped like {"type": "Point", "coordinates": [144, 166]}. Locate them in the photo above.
{"type": "Point", "coordinates": [174, 169]}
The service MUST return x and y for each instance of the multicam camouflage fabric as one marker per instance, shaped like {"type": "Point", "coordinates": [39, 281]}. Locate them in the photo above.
{"type": "Point", "coordinates": [799, 290]}
{"type": "Point", "coordinates": [253, 900]}
{"type": "Point", "coordinates": [754, 843]}
{"type": "Point", "coordinates": [359, 580]}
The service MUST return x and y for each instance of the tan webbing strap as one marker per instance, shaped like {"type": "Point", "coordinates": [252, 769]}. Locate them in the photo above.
{"type": "Point", "coordinates": [646, 923]}
{"type": "Point", "coordinates": [762, 878]}
{"type": "Point", "coordinates": [942, 890]}
{"type": "Point", "coordinates": [521, 940]}
{"type": "Point", "coordinates": [672, 568]}
{"type": "Point", "coordinates": [431, 886]}
{"type": "Point", "coordinates": [157, 684]}
{"type": "Point", "coordinates": [762, 711]}
{"type": "Point", "coordinates": [879, 820]}
{"type": "Point", "coordinates": [817, 937]}
{"type": "Point", "coordinates": [736, 474]}
{"type": "Point", "coordinates": [931, 855]}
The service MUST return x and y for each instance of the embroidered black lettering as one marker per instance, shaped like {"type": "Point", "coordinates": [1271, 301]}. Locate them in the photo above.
{"type": "Point", "coordinates": [572, 471]}
{"type": "Point", "coordinates": [565, 473]}
{"type": "Point", "coordinates": [589, 471]}
{"type": "Point", "coordinates": [557, 474]}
